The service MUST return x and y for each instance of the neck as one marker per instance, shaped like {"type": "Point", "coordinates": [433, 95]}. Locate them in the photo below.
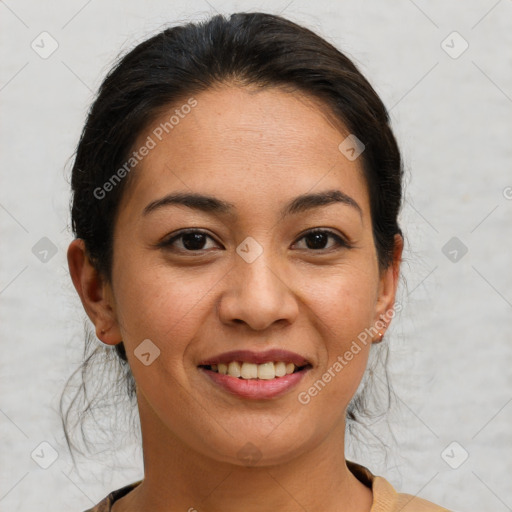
{"type": "Point", "coordinates": [179, 478]}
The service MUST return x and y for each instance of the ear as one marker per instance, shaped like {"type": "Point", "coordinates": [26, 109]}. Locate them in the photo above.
{"type": "Point", "coordinates": [388, 284]}
{"type": "Point", "coordinates": [95, 293]}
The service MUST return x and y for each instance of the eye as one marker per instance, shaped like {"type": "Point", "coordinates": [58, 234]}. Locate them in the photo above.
{"type": "Point", "coordinates": [193, 240]}
{"type": "Point", "coordinates": [317, 239]}
{"type": "Point", "coordinates": [190, 240]}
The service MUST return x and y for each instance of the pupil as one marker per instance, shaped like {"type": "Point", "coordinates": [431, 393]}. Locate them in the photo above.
{"type": "Point", "coordinates": [193, 241]}
{"type": "Point", "coordinates": [317, 244]}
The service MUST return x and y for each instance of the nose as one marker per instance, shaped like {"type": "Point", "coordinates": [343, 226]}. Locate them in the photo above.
{"type": "Point", "coordinates": [257, 294]}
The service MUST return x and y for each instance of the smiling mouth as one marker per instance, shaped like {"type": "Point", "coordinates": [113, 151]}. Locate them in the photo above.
{"type": "Point", "coordinates": [251, 371]}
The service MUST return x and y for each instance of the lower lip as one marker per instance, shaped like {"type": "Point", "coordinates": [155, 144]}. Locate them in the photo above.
{"type": "Point", "coordinates": [256, 389]}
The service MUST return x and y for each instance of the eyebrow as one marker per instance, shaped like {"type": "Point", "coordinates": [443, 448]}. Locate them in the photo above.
{"type": "Point", "coordinates": [210, 204]}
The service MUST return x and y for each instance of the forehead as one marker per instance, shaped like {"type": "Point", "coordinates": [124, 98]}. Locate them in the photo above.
{"type": "Point", "coordinates": [245, 144]}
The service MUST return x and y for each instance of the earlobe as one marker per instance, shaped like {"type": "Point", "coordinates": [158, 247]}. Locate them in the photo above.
{"type": "Point", "coordinates": [95, 293]}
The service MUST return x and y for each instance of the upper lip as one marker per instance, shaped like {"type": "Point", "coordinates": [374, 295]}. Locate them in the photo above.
{"type": "Point", "coordinates": [256, 357]}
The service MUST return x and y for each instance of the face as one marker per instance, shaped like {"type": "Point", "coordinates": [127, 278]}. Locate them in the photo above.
{"type": "Point", "coordinates": [258, 267]}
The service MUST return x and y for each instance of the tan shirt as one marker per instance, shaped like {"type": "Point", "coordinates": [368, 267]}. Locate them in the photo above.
{"type": "Point", "coordinates": [385, 498]}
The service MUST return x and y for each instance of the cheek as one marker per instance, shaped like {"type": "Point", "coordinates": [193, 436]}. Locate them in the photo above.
{"type": "Point", "coordinates": [344, 300]}
{"type": "Point", "coordinates": [164, 306]}
{"type": "Point", "coordinates": [344, 308]}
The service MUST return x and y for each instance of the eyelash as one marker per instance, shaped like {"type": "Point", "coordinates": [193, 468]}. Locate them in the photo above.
{"type": "Point", "coordinates": [341, 242]}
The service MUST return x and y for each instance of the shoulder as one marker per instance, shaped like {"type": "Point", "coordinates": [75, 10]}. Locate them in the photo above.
{"type": "Point", "coordinates": [386, 498]}
{"type": "Point", "coordinates": [105, 505]}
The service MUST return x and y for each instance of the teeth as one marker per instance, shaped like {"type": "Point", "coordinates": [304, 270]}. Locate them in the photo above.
{"type": "Point", "coordinates": [280, 369]}
{"type": "Point", "coordinates": [265, 371]}
{"type": "Point", "coordinates": [248, 371]}
{"type": "Point", "coordinates": [234, 369]}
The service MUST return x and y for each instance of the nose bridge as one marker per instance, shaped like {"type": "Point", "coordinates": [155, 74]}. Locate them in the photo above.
{"type": "Point", "coordinates": [261, 275]}
{"type": "Point", "coordinates": [257, 294]}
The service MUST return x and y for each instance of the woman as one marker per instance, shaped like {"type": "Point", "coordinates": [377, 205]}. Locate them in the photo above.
{"type": "Point", "coordinates": [235, 198]}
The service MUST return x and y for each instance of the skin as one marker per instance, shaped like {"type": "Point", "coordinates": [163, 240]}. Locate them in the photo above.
{"type": "Point", "coordinates": [257, 149]}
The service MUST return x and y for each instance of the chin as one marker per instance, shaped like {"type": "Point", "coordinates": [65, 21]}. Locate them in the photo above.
{"type": "Point", "coordinates": [258, 449]}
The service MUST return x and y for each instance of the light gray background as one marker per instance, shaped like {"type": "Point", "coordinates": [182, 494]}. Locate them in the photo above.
{"type": "Point", "coordinates": [452, 349]}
